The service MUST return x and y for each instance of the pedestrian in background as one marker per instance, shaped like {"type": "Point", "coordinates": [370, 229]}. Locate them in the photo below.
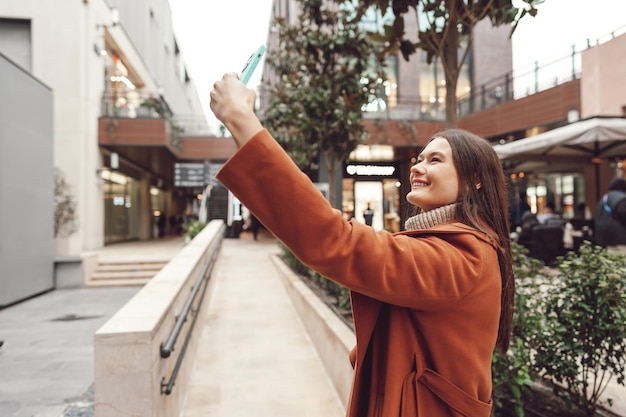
{"type": "Point", "coordinates": [254, 226]}
{"type": "Point", "coordinates": [520, 208]}
{"type": "Point", "coordinates": [610, 216]}
{"type": "Point", "coordinates": [549, 215]}
{"type": "Point", "coordinates": [429, 304]}
{"type": "Point", "coordinates": [368, 215]}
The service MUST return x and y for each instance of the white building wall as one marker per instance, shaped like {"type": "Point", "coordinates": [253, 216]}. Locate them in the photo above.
{"type": "Point", "coordinates": [63, 57]}
{"type": "Point", "coordinates": [65, 39]}
{"type": "Point", "coordinates": [600, 94]}
{"type": "Point", "coordinates": [148, 23]}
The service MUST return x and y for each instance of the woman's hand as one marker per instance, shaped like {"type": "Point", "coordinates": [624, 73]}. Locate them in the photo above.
{"type": "Point", "coordinates": [233, 104]}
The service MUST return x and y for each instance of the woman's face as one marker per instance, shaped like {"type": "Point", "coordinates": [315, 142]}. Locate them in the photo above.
{"type": "Point", "coordinates": [434, 179]}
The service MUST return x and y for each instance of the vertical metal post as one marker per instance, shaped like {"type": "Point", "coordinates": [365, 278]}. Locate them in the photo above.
{"type": "Point", "coordinates": [573, 62]}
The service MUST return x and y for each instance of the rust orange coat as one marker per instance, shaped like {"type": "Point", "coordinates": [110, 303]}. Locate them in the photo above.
{"type": "Point", "coordinates": [426, 304]}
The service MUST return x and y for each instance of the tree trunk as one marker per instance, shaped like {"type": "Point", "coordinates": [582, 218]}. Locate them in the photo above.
{"type": "Point", "coordinates": [450, 62]}
{"type": "Point", "coordinates": [451, 102]}
{"type": "Point", "coordinates": [331, 166]}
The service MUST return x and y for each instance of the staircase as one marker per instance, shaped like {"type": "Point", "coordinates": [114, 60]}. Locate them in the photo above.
{"type": "Point", "coordinates": [124, 272]}
{"type": "Point", "coordinates": [132, 263]}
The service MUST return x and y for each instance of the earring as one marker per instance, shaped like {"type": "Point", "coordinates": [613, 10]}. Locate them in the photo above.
{"type": "Point", "coordinates": [478, 186]}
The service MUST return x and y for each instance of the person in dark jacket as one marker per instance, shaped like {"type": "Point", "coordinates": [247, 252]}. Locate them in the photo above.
{"type": "Point", "coordinates": [610, 216]}
{"type": "Point", "coordinates": [368, 215]}
{"type": "Point", "coordinates": [520, 208]}
{"type": "Point", "coordinates": [254, 226]}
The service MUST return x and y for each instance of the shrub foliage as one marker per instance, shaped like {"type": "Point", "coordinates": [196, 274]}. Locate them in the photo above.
{"type": "Point", "coordinates": [569, 327]}
{"type": "Point", "coordinates": [582, 344]}
{"type": "Point", "coordinates": [65, 211]}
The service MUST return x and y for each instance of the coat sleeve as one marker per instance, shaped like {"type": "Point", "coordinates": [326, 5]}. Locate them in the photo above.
{"type": "Point", "coordinates": [424, 272]}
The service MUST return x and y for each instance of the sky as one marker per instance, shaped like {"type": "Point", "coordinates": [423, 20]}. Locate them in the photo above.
{"type": "Point", "coordinates": [218, 36]}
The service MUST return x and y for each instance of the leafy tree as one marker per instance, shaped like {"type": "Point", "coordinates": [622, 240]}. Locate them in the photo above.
{"type": "Point", "coordinates": [324, 65]}
{"type": "Point", "coordinates": [449, 23]}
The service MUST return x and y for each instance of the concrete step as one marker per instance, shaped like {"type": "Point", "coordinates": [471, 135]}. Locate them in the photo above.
{"type": "Point", "coordinates": [118, 282]}
{"type": "Point", "coordinates": [131, 266]}
{"type": "Point", "coordinates": [124, 272]}
{"type": "Point", "coordinates": [130, 274]}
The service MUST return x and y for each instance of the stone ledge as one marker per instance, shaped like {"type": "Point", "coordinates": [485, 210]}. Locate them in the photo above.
{"type": "Point", "coordinates": [129, 369]}
{"type": "Point", "coordinates": [71, 271]}
{"type": "Point", "coordinates": [332, 338]}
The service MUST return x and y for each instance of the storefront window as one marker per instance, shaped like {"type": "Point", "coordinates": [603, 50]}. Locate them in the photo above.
{"type": "Point", "coordinates": [121, 97]}
{"type": "Point", "coordinates": [391, 205]}
{"type": "Point", "coordinates": [564, 190]}
{"type": "Point", "coordinates": [432, 85]}
{"type": "Point", "coordinates": [121, 207]}
{"type": "Point", "coordinates": [382, 198]}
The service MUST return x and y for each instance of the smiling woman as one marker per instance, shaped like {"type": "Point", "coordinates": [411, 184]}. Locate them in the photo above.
{"type": "Point", "coordinates": [429, 304]}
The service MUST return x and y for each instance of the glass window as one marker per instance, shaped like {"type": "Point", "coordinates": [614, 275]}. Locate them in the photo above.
{"type": "Point", "coordinates": [121, 208]}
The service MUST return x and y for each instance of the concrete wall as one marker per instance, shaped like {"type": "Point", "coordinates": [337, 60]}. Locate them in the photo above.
{"type": "Point", "coordinates": [148, 24]}
{"type": "Point", "coordinates": [603, 91]}
{"type": "Point", "coordinates": [26, 185]}
{"type": "Point", "coordinates": [66, 38]}
{"type": "Point", "coordinates": [63, 37]}
{"type": "Point", "coordinates": [129, 369]}
{"type": "Point", "coordinates": [332, 338]}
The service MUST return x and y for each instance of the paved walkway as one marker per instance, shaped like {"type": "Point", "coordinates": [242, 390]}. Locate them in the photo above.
{"type": "Point", "coordinates": [254, 343]}
{"type": "Point", "coordinates": [255, 357]}
{"type": "Point", "coordinates": [46, 367]}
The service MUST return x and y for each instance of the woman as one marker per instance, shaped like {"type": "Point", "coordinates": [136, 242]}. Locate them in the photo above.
{"type": "Point", "coordinates": [430, 303]}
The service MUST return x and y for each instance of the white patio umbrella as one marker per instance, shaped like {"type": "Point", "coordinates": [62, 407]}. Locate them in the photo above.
{"type": "Point", "coordinates": [568, 148]}
{"type": "Point", "coordinates": [597, 137]}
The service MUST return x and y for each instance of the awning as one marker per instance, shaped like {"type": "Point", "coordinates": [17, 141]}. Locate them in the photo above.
{"type": "Point", "coordinates": [597, 137]}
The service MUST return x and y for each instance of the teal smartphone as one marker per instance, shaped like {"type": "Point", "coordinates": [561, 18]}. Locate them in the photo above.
{"type": "Point", "coordinates": [251, 64]}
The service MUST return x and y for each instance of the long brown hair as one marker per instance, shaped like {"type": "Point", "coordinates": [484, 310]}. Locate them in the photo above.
{"type": "Point", "coordinates": [485, 208]}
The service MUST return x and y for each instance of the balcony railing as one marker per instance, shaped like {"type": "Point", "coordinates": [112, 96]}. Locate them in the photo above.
{"type": "Point", "coordinates": [133, 105]}
{"type": "Point", "coordinates": [541, 75]}
{"type": "Point", "coordinates": [522, 82]}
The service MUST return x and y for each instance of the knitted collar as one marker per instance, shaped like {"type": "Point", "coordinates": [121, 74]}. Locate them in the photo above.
{"type": "Point", "coordinates": [431, 218]}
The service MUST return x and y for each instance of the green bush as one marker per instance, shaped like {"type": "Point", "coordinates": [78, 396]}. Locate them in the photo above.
{"type": "Point", "coordinates": [293, 262]}
{"type": "Point", "coordinates": [583, 340]}
{"type": "Point", "coordinates": [193, 228]}
{"type": "Point", "coordinates": [513, 374]}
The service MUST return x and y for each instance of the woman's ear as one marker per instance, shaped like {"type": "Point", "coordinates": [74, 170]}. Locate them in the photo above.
{"type": "Point", "coordinates": [479, 184]}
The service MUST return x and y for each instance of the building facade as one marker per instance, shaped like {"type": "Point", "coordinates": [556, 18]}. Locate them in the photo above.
{"type": "Point", "coordinates": [563, 94]}
{"type": "Point", "coordinates": [401, 121]}
{"type": "Point", "coordinates": [114, 68]}
{"type": "Point", "coordinates": [127, 122]}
